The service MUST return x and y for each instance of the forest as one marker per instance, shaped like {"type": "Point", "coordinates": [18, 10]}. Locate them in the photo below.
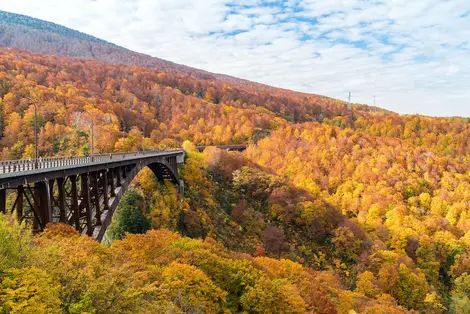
{"type": "Point", "coordinates": [329, 210]}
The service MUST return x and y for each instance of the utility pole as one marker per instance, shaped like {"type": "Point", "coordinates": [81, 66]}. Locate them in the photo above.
{"type": "Point", "coordinates": [349, 103]}
{"type": "Point", "coordinates": [92, 137]}
{"type": "Point", "coordinates": [35, 131]}
{"type": "Point", "coordinates": [92, 133]}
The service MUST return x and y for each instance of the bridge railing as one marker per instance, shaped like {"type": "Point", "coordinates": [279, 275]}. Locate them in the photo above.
{"type": "Point", "coordinates": [13, 166]}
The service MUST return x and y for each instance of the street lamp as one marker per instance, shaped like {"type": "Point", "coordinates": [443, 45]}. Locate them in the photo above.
{"type": "Point", "coordinates": [92, 133]}
{"type": "Point", "coordinates": [35, 130]}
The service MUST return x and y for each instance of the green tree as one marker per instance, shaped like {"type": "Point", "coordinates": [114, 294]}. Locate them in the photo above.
{"type": "Point", "coordinates": [129, 217]}
{"type": "Point", "coordinates": [16, 249]}
{"type": "Point", "coordinates": [461, 294]}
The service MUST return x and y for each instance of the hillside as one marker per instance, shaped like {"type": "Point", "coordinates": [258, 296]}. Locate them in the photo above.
{"type": "Point", "coordinates": [329, 210]}
{"type": "Point", "coordinates": [163, 107]}
{"type": "Point", "coordinates": [38, 36]}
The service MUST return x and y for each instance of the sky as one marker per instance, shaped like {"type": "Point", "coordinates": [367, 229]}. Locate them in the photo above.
{"type": "Point", "coordinates": [413, 55]}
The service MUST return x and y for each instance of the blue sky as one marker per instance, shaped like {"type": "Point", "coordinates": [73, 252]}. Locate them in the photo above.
{"type": "Point", "coordinates": [412, 55]}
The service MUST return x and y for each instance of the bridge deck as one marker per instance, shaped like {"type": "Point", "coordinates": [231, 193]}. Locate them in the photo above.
{"type": "Point", "coordinates": [15, 172]}
{"type": "Point", "coordinates": [236, 147]}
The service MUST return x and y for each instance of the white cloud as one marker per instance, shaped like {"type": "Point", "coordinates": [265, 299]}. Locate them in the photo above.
{"type": "Point", "coordinates": [413, 55]}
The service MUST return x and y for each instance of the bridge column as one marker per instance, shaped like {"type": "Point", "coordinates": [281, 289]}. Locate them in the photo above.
{"type": "Point", "coordinates": [96, 197]}
{"type": "Point", "coordinates": [44, 207]}
{"type": "Point", "coordinates": [105, 189]}
{"type": "Point", "coordinates": [173, 164]}
{"type": "Point", "coordinates": [74, 199]}
{"type": "Point", "coordinates": [181, 187]}
{"type": "Point", "coordinates": [86, 202]}
{"type": "Point", "coordinates": [118, 176]}
{"type": "Point", "coordinates": [111, 181]}
{"type": "Point", "coordinates": [61, 188]}
{"type": "Point", "coordinates": [19, 204]}
{"type": "Point", "coordinates": [3, 201]}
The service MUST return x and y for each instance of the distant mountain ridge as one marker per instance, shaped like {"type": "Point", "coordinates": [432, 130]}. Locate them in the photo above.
{"type": "Point", "coordinates": [42, 37]}
{"type": "Point", "coordinates": [31, 22]}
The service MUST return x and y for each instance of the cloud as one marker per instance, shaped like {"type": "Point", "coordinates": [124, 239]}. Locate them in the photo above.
{"type": "Point", "coordinates": [412, 55]}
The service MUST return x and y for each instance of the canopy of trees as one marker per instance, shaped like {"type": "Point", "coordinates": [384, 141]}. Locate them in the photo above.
{"type": "Point", "coordinates": [328, 211]}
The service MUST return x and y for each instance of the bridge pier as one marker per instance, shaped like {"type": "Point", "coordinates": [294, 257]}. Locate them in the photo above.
{"type": "Point", "coordinates": [86, 202]}
{"type": "Point", "coordinates": [43, 198]}
{"type": "Point", "coordinates": [104, 185]}
{"type": "Point", "coordinates": [19, 203]}
{"type": "Point", "coordinates": [3, 201]}
{"type": "Point", "coordinates": [96, 197]}
{"type": "Point", "coordinates": [75, 213]}
{"type": "Point", "coordinates": [61, 200]}
{"type": "Point", "coordinates": [181, 187]}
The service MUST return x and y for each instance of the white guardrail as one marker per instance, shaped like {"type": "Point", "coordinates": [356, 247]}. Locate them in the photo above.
{"type": "Point", "coordinates": [13, 166]}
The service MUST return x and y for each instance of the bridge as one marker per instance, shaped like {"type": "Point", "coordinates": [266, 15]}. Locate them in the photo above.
{"type": "Point", "coordinates": [80, 191]}
{"type": "Point", "coordinates": [84, 191]}
{"type": "Point", "coordinates": [237, 147]}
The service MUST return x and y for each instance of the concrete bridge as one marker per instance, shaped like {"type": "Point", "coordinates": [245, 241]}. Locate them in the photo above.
{"type": "Point", "coordinates": [81, 191]}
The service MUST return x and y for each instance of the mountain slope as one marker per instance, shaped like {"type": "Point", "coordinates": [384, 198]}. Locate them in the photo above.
{"type": "Point", "coordinates": [35, 35]}
{"type": "Point", "coordinates": [38, 36]}
{"type": "Point", "coordinates": [27, 33]}
{"type": "Point", "coordinates": [46, 27]}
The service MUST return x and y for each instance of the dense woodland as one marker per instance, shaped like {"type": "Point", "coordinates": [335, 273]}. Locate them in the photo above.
{"type": "Point", "coordinates": [329, 210]}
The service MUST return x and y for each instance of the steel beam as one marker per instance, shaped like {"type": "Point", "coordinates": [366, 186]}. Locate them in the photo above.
{"type": "Point", "coordinates": [43, 196]}
{"type": "Point", "coordinates": [111, 181]}
{"type": "Point", "coordinates": [105, 189]}
{"type": "Point", "coordinates": [118, 177]}
{"type": "Point", "coordinates": [3, 201]}
{"type": "Point", "coordinates": [96, 197]}
{"type": "Point", "coordinates": [61, 188]}
{"type": "Point", "coordinates": [19, 204]}
{"type": "Point", "coordinates": [86, 202]}
{"type": "Point", "coordinates": [74, 201]}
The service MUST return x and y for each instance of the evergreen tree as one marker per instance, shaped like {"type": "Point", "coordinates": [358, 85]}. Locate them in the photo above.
{"type": "Point", "coordinates": [129, 217]}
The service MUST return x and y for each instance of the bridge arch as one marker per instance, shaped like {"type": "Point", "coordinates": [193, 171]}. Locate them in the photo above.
{"type": "Point", "coordinates": [83, 192]}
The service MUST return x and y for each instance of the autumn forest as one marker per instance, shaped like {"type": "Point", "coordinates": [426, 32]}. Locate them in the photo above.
{"type": "Point", "coordinates": [329, 210]}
